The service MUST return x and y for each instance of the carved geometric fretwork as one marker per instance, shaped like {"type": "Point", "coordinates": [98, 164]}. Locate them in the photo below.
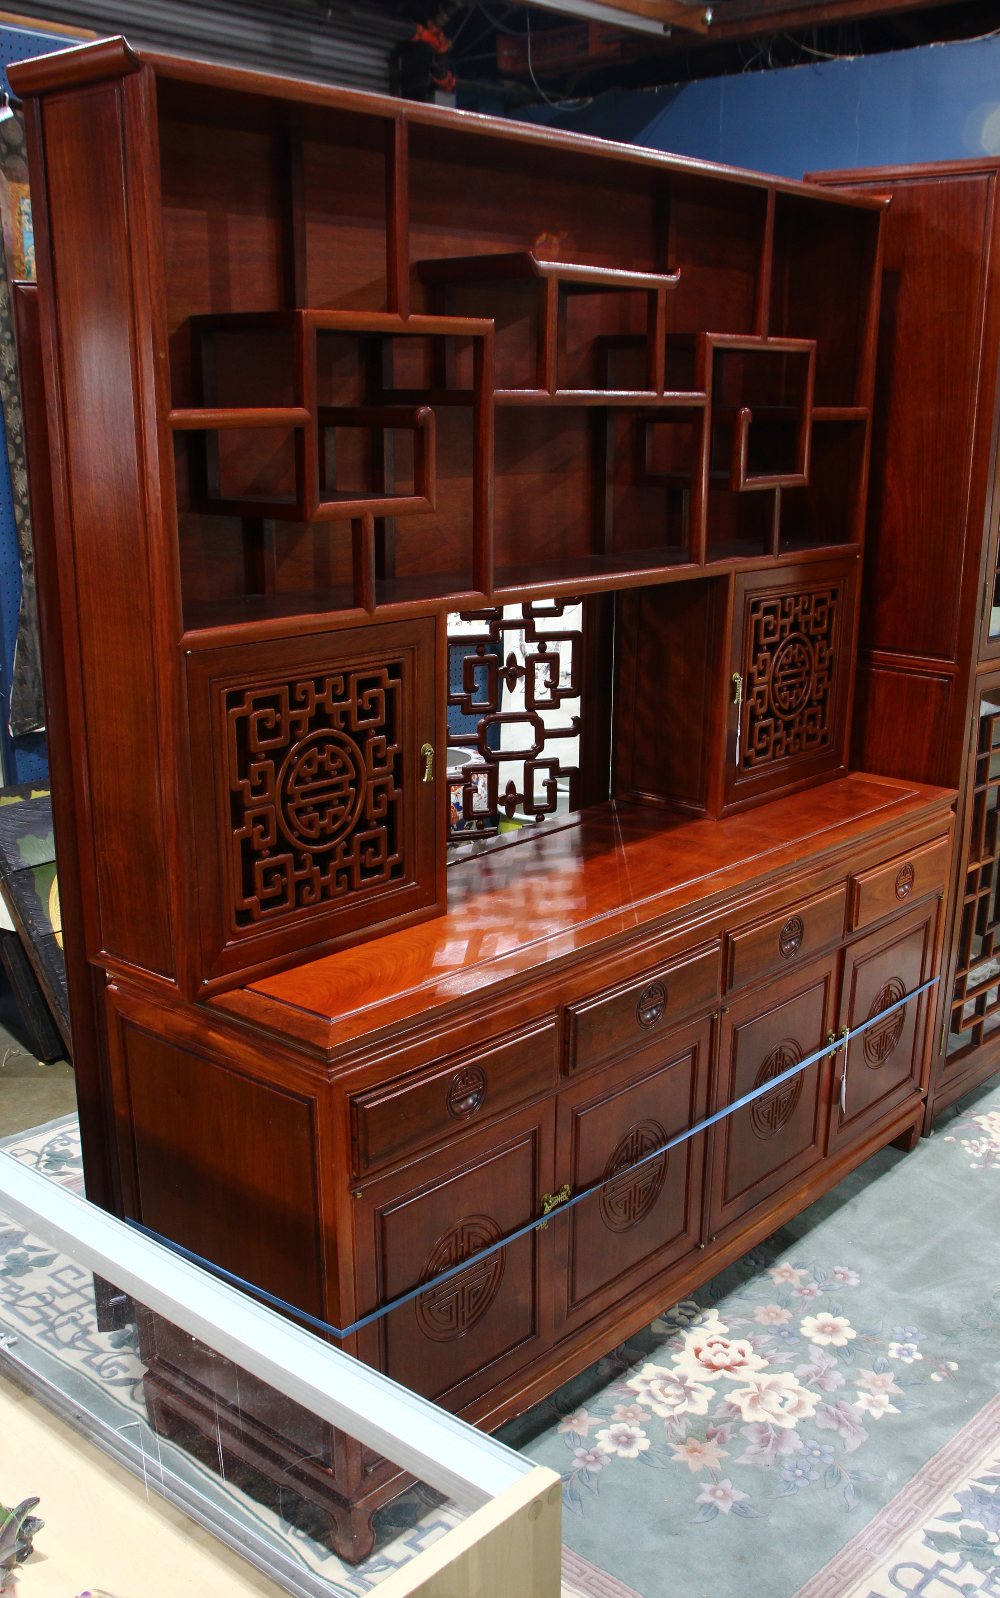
{"type": "Point", "coordinates": [314, 776]}
{"type": "Point", "coordinates": [531, 660]}
{"type": "Point", "coordinates": [773, 1110]}
{"type": "Point", "coordinates": [628, 1198]}
{"type": "Point", "coordinates": [975, 1014]}
{"type": "Point", "coordinates": [451, 1310]}
{"type": "Point", "coordinates": [789, 674]}
{"type": "Point", "coordinates": [881, 1039]}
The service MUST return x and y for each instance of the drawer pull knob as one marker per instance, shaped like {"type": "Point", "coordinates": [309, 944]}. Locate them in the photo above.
{"type": "Point", "coordinates": [552, 1201]}
{"type": "Point", "coordinates": [904, 880]}
{"type": "Point", "coordinates": [467, 1093]}
{"type": "Point", "coordinates": [651, 1005]}
{"type": "Point", "coordinates": [790, 937]}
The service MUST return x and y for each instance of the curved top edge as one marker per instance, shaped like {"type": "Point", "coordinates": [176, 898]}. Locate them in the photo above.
{"type": "Point", "coordinates": [82, 63]}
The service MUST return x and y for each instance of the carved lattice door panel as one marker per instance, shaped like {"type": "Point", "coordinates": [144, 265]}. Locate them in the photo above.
{"type": "Point", "coordinates": [644, 1220]}
{"type": "Point", "coordinates": [459, 1337]}
{"type": "Point", "coordinates": [777, 1138]}
{"type": "Point", "coordinates": [314, 786]}
{"type": "Point", "coordinates": [974, 1017]}
{"type": "Point", "coordinates": [790, 682]}
{"type": "Point", "coordinates": [885, 1064]}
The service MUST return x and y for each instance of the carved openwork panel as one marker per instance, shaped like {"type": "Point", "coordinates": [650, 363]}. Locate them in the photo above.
{"type": "Point", "coordinates": [975, 1013]}
{"type": "Point", "coordinates": [773, 1110]}
{"type": "Point", "coordinates": [515, 688]}
{"type": "Point", "coordinates": [789, 654]}
{"type": "Point", "coordinates": [314, 767]}
{"type": "Point", "coordinates": [453, 1308]}
{"type": "Point", "coordinates": [628, 1198]}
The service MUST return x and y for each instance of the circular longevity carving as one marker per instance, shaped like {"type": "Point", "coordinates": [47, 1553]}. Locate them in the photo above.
{"type": "Point", "coordinates": [790, 937]}
{"type": "Point", "coordinates": [320, 789]}
{"type": "Point", "coordinates": [792, 673]}
{"type": "Point", "coordinates": [628, 1198]}
{"type": "Point", "coordinates": [451, 1310]}
{"type": "Point", "coordinates": [882, 1038]}
{"type": "Point", "coordinates": [904, 880]}
{"type": "Point", "coordinates": [651, 1005]}
{"type": "Point", "coordinates": [467, 1092]}
{"type": "Point", "coordinates": [772, 1111]}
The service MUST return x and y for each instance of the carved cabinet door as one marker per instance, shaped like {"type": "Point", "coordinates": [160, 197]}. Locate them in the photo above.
{"type": "Point", "coordinates": [776, 1139]}
{"type": "Point", "coordinates": [315, 810]}
{"type": "Point", "coordinates": [790, 678]}
{"type": "Point", "coordinates": [885, 1063]}
{"type": "Point", "coordinates": [459, 1338]}
{"type": "Point", "coordinates": [644, 1220]}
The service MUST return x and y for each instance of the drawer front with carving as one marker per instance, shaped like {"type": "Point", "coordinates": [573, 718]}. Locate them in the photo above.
{"type": "Point", "coordinates": [646, 1219]}
{"type": "Point", "coordinates": [900, 882]}
{"type": "Point", "coordinates": [628, 1017]}
{"type": "Point", "coordinates": [425, 1107]}
{"type": "Point", "coordinates": [414, 1224]}
{"type": "Point", "coordinates": [774, 1141]}
{"type": "Point", "coordinates": [885, 1063]}
{"type": "Point", "coordinates": [782, 941]}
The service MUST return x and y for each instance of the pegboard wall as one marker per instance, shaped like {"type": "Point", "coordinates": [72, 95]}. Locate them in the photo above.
{"type": "Point", "coordinates": [24, 759]}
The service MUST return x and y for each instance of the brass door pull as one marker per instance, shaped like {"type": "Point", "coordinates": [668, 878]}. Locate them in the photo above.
{"type": "Point", "coordinates": [552, 1201]}
{"type": "Point", "coordinates": [427, 756]}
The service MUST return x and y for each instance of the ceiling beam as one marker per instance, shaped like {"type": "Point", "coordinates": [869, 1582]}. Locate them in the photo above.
{"type": "Point", "coordinates": [651, 17]}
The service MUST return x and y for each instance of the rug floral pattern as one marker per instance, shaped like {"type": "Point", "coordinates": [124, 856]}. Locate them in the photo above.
{"type": "Point", "coordinates": [780, 1398]}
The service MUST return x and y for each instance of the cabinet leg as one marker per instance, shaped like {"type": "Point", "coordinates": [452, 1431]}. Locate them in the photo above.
{"type": "Point", "coordinates": [352, 1535]}
{"type": "Point", "coordinates": [908, 1140]}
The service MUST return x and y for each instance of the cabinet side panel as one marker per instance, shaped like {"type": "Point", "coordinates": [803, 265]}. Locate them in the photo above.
{"type": "Point", "coordinates": [106, 513]}
{"type": "Point", "coordinates": [221, 1163]}
{"type": "Point", "coordinates": [925, 414]}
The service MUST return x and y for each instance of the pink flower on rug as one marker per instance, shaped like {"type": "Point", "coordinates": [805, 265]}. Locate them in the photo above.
{"type": "Point", "coordinates": [821, 1371]}
{"type": "Point", "coordinates": [707, 1355]}
{"type": "Point", "coordinates": [722, 1494]}
{"type": "Point", "coordinates": [845, 1419]}
{"type": "Point", "coordinates": [807, 1291]}
{"type": "Point", "coordinates": [878, 1382]}
{"type": "Point", "coordinates": [766, 1443]}
{"type": "Point", "coordinates": [669, 1393]}
{"type": "Point", "coordinates": [579, 1423]}
{"type": "Point", "coordinates": [622, 1440]}
{"type": "Point", "coordinates": [875, 1404]}
{"type": "Point", "coordinates": [845, 1276]}
{"type": "Point", "coordinates": [697, 1455]}
{"type": "Point", "coordinates": [771, 1315]}
{"type": "Point", "coordinates": [778, 1399]}
{"type": "Point", "coordinates": [631, 1413]}
{"type": "Point", "coordinates": [828, 1329]}
{"type": "Point", "coordinates": [589, 1459]}
{"type": "Point", "coordinates": [787, 1273]}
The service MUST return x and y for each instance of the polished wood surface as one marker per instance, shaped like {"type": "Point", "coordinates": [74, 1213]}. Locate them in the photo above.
{"type": "Point", "coordinates": [343, 366]}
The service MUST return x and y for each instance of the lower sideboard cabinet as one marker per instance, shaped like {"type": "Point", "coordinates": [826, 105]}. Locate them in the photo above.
{"type": "Point", "coordinates": [342, 1166]}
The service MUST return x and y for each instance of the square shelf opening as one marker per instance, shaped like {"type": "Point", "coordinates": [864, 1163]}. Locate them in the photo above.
{"type": "Point", "coordinates": [830, 511]}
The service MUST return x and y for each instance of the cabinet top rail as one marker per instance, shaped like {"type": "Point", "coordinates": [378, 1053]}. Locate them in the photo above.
{"type": "Point", "coordinates": [110, 58]}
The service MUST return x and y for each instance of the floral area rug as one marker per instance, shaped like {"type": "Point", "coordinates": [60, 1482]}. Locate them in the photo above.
{"type": "Point", "coordinates": [749, 1436]}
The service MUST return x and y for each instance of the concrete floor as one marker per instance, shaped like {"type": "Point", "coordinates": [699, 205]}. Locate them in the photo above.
{"type": "Point", "coordinates": [30, 1092]}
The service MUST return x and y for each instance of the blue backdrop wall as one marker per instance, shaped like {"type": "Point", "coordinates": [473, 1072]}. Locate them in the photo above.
{"type": "Point", "coordinates": [940, 102]}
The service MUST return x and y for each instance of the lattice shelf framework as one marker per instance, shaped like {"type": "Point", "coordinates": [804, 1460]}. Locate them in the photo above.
{"type": "Point", "coordinates": [975, 1006]}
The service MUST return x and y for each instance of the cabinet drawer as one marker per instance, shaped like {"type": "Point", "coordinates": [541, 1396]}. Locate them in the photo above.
{"type": "Point", "coordinates": [785, 940]}
{"type": "Point", "coordinates": [899, 882]}
{"type": "Point", "coordinates": [410, 1112]}
{"type": "Point", "coordinates": [626, 1017]}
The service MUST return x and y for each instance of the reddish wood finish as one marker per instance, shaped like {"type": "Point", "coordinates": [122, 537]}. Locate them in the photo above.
{"type": "Point", "coordinates": [928, 626]}
{"type": "Point", "coordinates": [878, 893]}
{"type": "Point", "coordinates": [302, 404]}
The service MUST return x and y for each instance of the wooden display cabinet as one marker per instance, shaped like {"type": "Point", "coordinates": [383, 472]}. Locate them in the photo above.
{"type": "Point", "coordinates": [321, 371]}
{"type": "Point", "coordinates": [930, 627]}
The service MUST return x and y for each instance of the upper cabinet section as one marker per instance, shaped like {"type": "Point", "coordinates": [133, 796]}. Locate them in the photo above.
{"type": "Point", "coordinates": [414, 359]}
